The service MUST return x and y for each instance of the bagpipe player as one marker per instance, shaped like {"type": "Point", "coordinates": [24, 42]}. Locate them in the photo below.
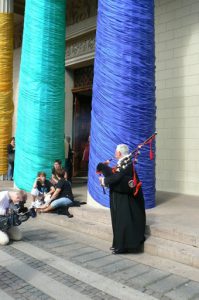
{"type": "Point", "coordinates": [126, 203]}
{"type": "Point", "coordinates": [12, 214]}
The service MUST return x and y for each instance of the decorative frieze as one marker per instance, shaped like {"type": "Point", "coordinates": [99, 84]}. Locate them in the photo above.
{"type": "Point", "coordinates": [80, 46]}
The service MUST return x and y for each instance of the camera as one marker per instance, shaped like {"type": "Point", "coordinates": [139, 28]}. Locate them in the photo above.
{"type": "Point", "coordinates": [20, 213]}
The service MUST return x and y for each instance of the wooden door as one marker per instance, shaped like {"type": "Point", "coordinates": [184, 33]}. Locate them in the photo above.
{"type": "Point", "coordinates": [81, 133]}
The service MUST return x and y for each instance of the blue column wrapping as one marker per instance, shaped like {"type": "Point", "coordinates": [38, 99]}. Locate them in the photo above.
{"type": "Point", "coordinates": [123, 105]}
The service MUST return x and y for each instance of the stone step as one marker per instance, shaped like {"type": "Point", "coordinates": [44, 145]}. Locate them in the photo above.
{"type": "Point", "coordinates": [99, 230]}
{"type": "Point", "coordinates": [179, 252]}
{"type": "Point", "coordinates": [172, 250]}
{"type": "Point", "coordinates": [168, 231]}
{"type": "Point", "coordinates": [174, 242]}
{"type": "Point", "coordinates": [85, 212]}
{"type": "Point", "coordinates": [176, 232]}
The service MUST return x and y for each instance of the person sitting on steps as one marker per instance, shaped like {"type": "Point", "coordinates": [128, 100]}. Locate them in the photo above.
{"type": "Point", "coordinates": [57, 168]}
{"type": "Point", "coordinates": [61, 198]}
{"type": "Point", "coordinates": [42, 189]}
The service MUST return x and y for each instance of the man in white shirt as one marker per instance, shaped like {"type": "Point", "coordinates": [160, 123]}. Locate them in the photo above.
{"type": "Point", "coordinates": [6, 199]}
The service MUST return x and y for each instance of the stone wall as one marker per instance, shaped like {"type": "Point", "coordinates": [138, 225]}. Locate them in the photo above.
{"type": "Point", "coordinates": [79, 10]}
{"type": "Point", "coordinates": [17, 59]}
{"type": "Point", "coordinates": [177, 80]}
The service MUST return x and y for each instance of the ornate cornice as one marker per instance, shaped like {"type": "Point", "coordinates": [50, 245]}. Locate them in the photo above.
{"type": "Point", "coordinates": [81, 28]}
{"type": "Point", "coordinates": [81, 49]}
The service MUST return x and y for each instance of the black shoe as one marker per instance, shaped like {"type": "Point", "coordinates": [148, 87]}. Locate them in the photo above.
{"type": "Point", "coordinates": [119, 251]}
{"type": "Point", "coordinates": [68, 214]}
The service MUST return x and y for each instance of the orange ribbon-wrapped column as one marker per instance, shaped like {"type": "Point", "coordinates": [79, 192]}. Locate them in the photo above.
{"type": "Point", "coordinates": [6, 79]}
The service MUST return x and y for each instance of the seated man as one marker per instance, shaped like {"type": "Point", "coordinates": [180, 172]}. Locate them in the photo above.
{"type": "Point", "coordinates": [42, 189]}
{"type": "Point", "coordinates": [7, 199]}
{"type": "Point", "coordinates": [62, 197]}
{"type": "Point", "coordinates": [57, 168]}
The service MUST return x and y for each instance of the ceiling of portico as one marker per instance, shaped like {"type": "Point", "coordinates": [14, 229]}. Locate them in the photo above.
{"type": "Point", "coordinates": [19, 6]}
{"type": "Point", "coordinates": [77, 10]}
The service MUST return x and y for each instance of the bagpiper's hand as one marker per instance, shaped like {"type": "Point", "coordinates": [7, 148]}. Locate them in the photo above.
{"type": "Point", "coordinates": [101, 180]}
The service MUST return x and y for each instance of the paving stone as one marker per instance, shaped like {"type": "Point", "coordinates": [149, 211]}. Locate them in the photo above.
{"type": "Point", "coordinates": [165, 298]}
{"type": "Point", "coordinates": [100, 262]}
{"type": "Point", "coordinates": [145, 279]}
{"type": "Point", "coordinates": [157, 295]}
{"type": "Point", "coordinates": [59, 244]}
{"type": "Point", "coordinates": [148, 291]}
{"type": "Point", "coordinates": [23, 291]}
{"type": "Point", "coordinates": [50, 271]}
{"type": "Point", "coordinates": [79, 252]}
{"type": "Point", "coordinates": [67, 248]}
{"type": "Point", "coordinates": [90, 256]}
{"type": "Point", "coordinates": [116, 267]}
{"type": "Point", "coordinates": [166, 284]}
{"type": "Point", "coordinates": [132, 272]}
{"type": "Point", "coordinates": [186, 292]}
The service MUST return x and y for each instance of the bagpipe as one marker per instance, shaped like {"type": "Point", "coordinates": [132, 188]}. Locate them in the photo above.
{"type": "Point", "coordinates": [130, 159]}
{"type": "Point", "coordinates": [17, 214]}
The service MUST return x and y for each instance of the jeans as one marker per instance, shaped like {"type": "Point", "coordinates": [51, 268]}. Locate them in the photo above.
{"type": "Point", "coordinates": [10, 170]}
{"type": "Point", "coordinates": [61, 202]}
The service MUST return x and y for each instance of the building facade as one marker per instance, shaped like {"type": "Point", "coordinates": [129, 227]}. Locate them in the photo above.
{"type": "Point", "coordinates": [177, 86]}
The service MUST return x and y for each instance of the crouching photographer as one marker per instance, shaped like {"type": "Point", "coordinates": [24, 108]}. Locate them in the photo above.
{"type": "Point", "coordinates": [12, 214]}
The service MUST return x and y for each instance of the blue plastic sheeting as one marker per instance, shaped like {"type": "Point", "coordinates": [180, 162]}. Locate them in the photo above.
{"type": "Point", "coordinates": [123, 107]}
{"type": "Point", "coordinates": [40, 116]}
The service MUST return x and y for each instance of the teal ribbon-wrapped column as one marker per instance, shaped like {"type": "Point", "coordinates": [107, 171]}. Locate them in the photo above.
{"type": "Point", "coordinates": [40, 116]}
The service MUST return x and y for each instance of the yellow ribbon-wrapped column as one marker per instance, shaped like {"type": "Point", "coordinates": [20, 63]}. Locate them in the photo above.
{"type": "Point", "coordinates": [6, 79]}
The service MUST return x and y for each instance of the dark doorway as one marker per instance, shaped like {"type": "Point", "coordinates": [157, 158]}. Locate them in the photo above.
{"type": "Point", "coordinates": [81, 132]}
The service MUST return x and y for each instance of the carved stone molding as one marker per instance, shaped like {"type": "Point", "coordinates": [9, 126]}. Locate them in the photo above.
{"type": "Point", "coordinates": [81, 28]}
{"type": "Point", "coordinates": [80, 46]}
{"type": "Point", "coordinates": [79, 10]}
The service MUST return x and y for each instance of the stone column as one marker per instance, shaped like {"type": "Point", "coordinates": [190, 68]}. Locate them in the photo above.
{"type": "Point", "coordinates": [6, 6]}
{"type": "Point", "coordinates": [123, 105]}
{"type": "Point", "coordinates": [6, 80]}
{"type": "Point", "coordinates": [41, 102]}
{"type": "Point", "coordinates": [69, 102]}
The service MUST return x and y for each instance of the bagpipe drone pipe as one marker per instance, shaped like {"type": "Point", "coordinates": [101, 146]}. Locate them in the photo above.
{"type": "Point", "coordinates": [126, 183]}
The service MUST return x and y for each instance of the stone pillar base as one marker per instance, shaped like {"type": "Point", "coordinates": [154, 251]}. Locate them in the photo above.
{"type": "Point", "coordinates": [93, 203]}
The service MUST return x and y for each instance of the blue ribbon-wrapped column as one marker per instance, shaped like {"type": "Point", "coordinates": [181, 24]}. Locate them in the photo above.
{"type": "Point", "coordinates": [123, 106]}
{"type": "Point", "coordinates": [40, 116]}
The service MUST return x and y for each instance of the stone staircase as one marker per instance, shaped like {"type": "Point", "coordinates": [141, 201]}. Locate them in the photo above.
{"type": "Point", "coordinates": [166, 240]}
{"type": "Point", "coordinates": [170, 234]}
{"type": "Point", "coordinates": [176, 242]}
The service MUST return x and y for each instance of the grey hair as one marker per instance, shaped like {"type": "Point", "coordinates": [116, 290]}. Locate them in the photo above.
{"type": "Point", "coordinates": [22, 194]}
{"type": "Point", "coordinates": [123, 148]}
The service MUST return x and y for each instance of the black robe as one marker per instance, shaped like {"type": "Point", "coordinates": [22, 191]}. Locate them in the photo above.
{"type": "Point", "coordinates": [127, 211]}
